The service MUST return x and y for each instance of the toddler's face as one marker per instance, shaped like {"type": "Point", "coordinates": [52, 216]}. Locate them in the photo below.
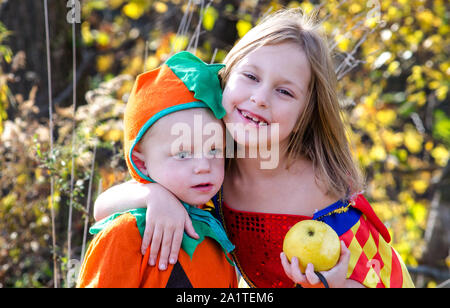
{"type": "Point", "coordinates": [183, 151]}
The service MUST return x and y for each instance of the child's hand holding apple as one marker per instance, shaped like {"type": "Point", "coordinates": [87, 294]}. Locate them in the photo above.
{"type": "Point", "coordinates": [311, 246]}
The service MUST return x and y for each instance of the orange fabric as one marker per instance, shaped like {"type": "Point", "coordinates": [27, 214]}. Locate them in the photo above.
{"type": "Point", "coordinates": [114, 260]}
{"type": "Point", "coordinates": [152, 92]}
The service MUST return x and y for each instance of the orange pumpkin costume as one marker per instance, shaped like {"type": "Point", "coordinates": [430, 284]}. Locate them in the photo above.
{"type": "Point", "coordinates": [114, 257]}
{"type": "Point", "coordinates": [114, 260]}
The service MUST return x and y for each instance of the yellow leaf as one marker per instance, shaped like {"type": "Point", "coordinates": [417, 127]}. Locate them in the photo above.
{"type": "Point", "coordinates": [355, 8]}
{"type": "Point", "coordinates": [99, 131]}
{"type": "Point", "coordinates": [383, 210]}
{"type": "Point", "coordinates": [209, 18]}
{"type": "Point", "coordinates": [9, 201]}
{"type": "Point", "coordinates": [38, 175]}
{"type": "Point", "coordinates": [402, 155]}
{"type": "Point", "coordinates": [102, 39]}
{"type": "Point", "coordinates": [86, 34]}
{"type": "Point", "coordinates": [393, 13]}
{"type": "Point", "coordinates": [391, 140]}
{"type": "Point", "coordinates": [406, 198]}
{"type": "Point", "coordinates": [370, 100]}
{"type": "Point", "coordinates": [135, 66]}
{"type": "Point", "coordinates": [393, 67]}
{"type": "Point", "coordinates": [343, 42]}
{"type": "Point", "coordinates": [293, 4]}
{"type": "Point", "coordinates": [371, 22]}
{"type": "Point", "coordinates": [133, 10]}
{"type": "Point", "coordinates": [378, 153]}
{"type": "Point", "coordinates": [160, 7]}
{"type": "Point", "coordinates": [275, 6]}
{"type": "Point", "coordinates": [440, 155]}
{"type": "Point", "coordinates": [413, 139]}
{"type": "Point", "coordinates": [151, 63]}
{"type": "Point", "coordinates": [429, 146]}
{"type": "Point", "coordinates": [419, 186]}
{"type": "Point", "coordinates": [444, 29]}
{"type": "Point", "coordinates": [243, 27]}
{"type": "Point", "coordinates": [386, 117]}
{"type": "Point", "coordinates": [104, 62]}
{"type": "Point", "coordinates": [115, 3]}
{"type": "Point", "coordinates": [425, 19]}
{"type": "Point", "coordinates": [179, 42]}
{"type": "Point", "coordinates": [371, 128]}
{"type": "Point", "coordinates": [56, 200]}
{"type": "Point", "coordinates": [113, 135]}
{"type": "Point", "coordinates": [419, 212]}
{"type": "Point", "coordinates": [22, 179]}
{"type": "Point", "coordinates": [445, 67]}
{"type": "Point", "coordinates": [441, 92]}
{"type": "Point", "coordinates": [434, 85]}
{"type": "Point", "coordinates": [419, 97]}
{"type": "Point", "coordinates": [307, 6]}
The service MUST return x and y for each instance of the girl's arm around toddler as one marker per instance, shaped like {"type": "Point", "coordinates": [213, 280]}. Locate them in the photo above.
{"type": "Point", "coordinates": [166, 218]}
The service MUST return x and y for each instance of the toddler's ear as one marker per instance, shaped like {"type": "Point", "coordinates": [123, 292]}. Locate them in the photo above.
{"type": "Point", "coordinates": [139, 160]}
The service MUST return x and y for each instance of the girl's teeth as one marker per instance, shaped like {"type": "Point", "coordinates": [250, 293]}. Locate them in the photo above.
{"type": "Point", "coordinates": [247, 115]}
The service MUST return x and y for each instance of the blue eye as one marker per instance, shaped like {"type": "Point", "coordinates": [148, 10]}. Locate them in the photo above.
{"type": "Point", "coordinates": [285, 92]}
{"type": "Point", "coordinates": [215, 152]}
{"type": "Point", "coordinates": [250, 76]}
{"type": "Point", "coordinates": [183, 155]}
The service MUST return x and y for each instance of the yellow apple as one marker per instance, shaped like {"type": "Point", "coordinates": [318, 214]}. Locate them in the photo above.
{"type": "Point", "coordinates": [312, 241]}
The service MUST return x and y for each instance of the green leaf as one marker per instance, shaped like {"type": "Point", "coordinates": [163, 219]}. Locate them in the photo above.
{"type": "Point", "coordinates": [441, 129]}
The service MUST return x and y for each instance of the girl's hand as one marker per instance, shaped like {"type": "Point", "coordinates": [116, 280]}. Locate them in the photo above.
{"type": "Point", "coordinates": [166, 221]}
{"type": "Point", "coordinates": [336, 277]}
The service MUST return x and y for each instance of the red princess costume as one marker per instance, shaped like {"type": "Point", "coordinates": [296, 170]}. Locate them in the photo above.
{"type": "Point", "coordinates": [258, 239]}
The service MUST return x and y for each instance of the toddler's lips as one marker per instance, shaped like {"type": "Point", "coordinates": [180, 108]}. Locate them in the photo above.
{"type": "Point", "coordinates": [203, 187]}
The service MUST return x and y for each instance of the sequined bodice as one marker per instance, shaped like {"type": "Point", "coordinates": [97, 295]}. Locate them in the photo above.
{"type": "Point", "coordinates": [258, 238]}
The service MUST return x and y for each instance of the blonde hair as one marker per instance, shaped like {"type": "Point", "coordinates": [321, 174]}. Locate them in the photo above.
{"type": "Point", "coordinates": [319, 134]}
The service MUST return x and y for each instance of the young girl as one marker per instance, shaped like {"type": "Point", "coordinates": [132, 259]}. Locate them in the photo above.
{"type": "Point", "coordinates": [280, 75]}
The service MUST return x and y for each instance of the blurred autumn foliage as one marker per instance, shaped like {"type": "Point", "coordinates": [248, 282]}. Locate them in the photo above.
{"type": "Point", "coordinates": [394, 71]}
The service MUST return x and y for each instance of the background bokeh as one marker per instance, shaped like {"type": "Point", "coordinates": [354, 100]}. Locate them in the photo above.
{"type": "Point", "coordinates": [394, 75]}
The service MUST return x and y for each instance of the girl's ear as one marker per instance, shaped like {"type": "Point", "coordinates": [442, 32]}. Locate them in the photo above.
{"type": "Point", "coordinates": [139, 160]}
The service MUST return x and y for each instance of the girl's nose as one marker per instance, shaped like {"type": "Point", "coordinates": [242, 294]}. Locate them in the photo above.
{"type": "Point", "coordinates": [202, 165]}
{"type": "Point", "coordinates": [260, 98]}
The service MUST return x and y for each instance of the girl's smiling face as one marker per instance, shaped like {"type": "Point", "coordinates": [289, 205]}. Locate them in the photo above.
{"type": "Point", "coordinates": [269, 85]}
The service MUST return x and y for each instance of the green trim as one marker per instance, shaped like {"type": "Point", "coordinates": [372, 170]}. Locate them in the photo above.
{"type": "Point", "coordinates": [139, 214]}
{"type": "Point", "coordinates": [200, 78]}
{"type": "Point", "coordinates": [151, 121]}
{"type": "Point", "coordinates": [203, 222]}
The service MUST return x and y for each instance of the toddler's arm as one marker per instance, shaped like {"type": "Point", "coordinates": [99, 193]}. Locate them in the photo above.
{"type": "Point", "coordinates": [166, 218]}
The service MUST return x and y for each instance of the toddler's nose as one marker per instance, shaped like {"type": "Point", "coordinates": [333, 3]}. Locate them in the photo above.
{"type": "Point", "coordinates": [202, 165]}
